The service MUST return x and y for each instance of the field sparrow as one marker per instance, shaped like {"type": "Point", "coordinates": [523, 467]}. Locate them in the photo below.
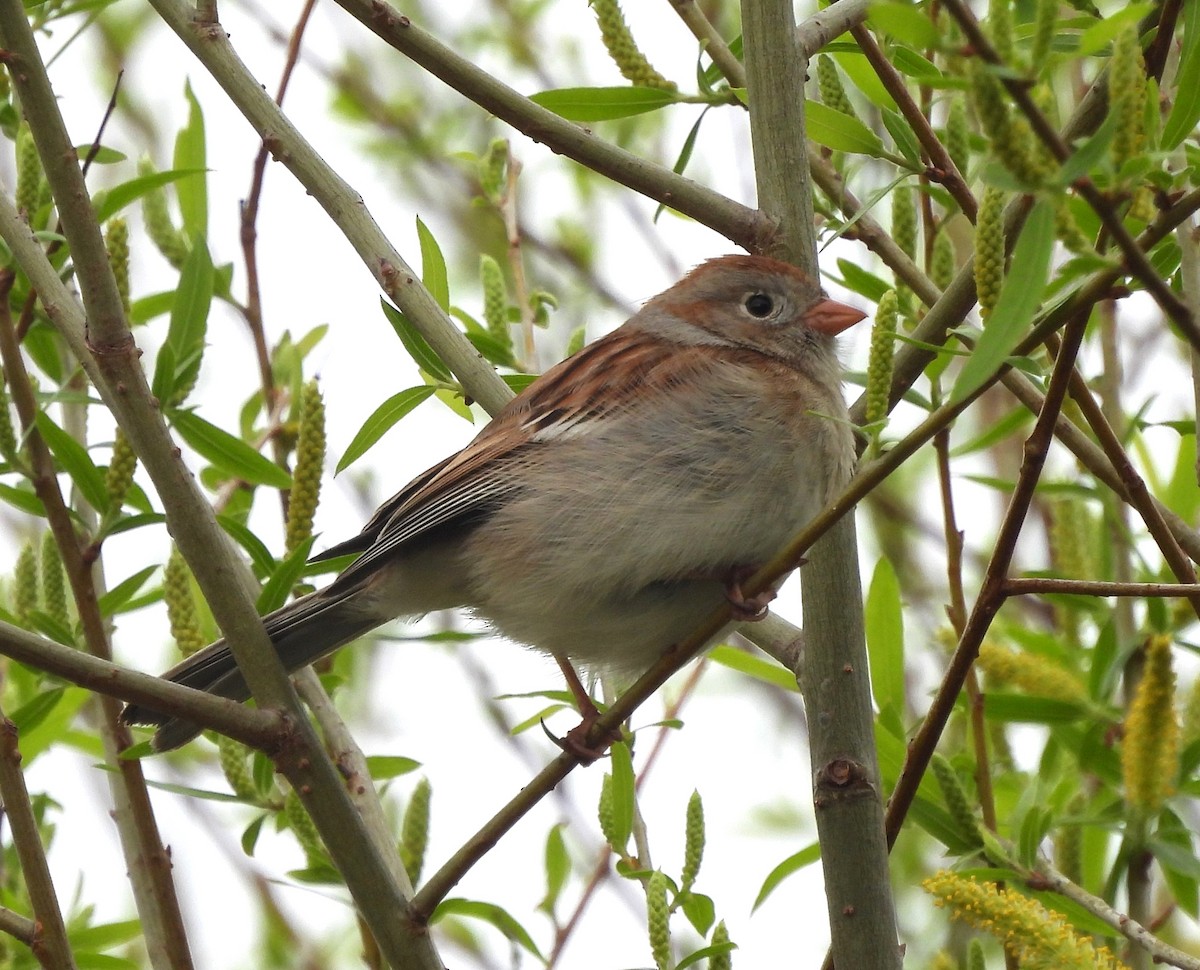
{"type": "Point", "coordinates": [614, 502]}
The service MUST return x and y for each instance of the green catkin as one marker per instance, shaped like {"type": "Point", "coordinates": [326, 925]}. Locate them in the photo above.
{"type": "Point", "coordinates": [657, 919]}
{"type": "Point", "coordinates": [956, 799]}
{"type": "Point", "coordinates": [116, 243]}
{"type": "Point", "coordinates": [1066, 228]}
{"type": "Point", "coordinates": [1127, 97]}
{"type": "Point", "coordinates": [1045, 26]}
{"type": "Point", "coordinates": [414, 831]}
{"type": "Point", "coordinates": [1191, 715]}
{"type": "Point", "coordinates": [493, 171]}
{"type": "Point", "coordinates": [310, 463]}
{"type": "Point", "coordinates": [169, 240]}
{"type": "Point", "coordinates": [234, 759]}
{"type": "Point", "coordinates": [29, 174]}
{"type": "Point", "coordinates": [303, 827]}
{"type": "Point", "coordinates": [1033, 934]}
{"type": "Point", "coordinates": [943, 264]}
{"type": "Point", "coordinates": [26, 592]}
{"type": "Point", "coordinates": [829, 84]}
{"type": "Point", "coordinates": [1068, 844]}
{"type": "Point", "coordinates": [1011, 139]}
{"type": "Point", "coordinates": [1029, 672]}
{"type": "Point", "coordinates": [958, 135]}
{"type": "Point", "coordinates": [495, 299]}
{"type": "Point", "coordinates": [1150, 751]}
{"type": "Point", "coordinates": [904, 220]}
{"type": "Point", "coordinates": [121, 467]}
{"type": "Point", "coordinates": [606, 817]}
{"type": "Point", "coordinates": [1072, 539]}
{"type": "Point", "coordinates": [181, 605]}
{"type": "Point", "coordinates": [1000, 29]}
{"type": "Point", "coordinates": [54, 590]}
{"type": "Point", "coordinates": [722, 961]}
{"type": "Point", "coordinates": [879, 360]}
{"type": "Point", "coordinates": [622, 48]}
{"type": "Point", "coordinates": [989, 250]}
{"type": "Point", "coordinates": [693, 850]}
{"type": "Point", "coordinates": [8, 437]}
{"type": "Point", "coordinates": [975, 957]}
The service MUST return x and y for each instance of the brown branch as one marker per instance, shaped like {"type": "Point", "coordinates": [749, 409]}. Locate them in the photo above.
{"type": "Point", "coordinates": [991, 594]}
{"type": "Point", "coordinates": [1037, 586]}
{"type": "Point", "coordinates": [49, 944]}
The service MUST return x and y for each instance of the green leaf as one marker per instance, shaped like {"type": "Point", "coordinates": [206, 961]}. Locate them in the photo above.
{"type": "Point", "coordinates": [1185, 112]}
{"type": "Point", "coordinates": [23, 499]}
{"type": "Point", "coordinates": [603, 104]}
{"type": "Point", "coordinates": [706, 953]}
{"type": "Point", "coordinates": [885, 637]}
{"type": "Point", "coordinates": [1089, 154]}
{"type": "Point", "coordinates": [905, 22]}
{"type": "Point", "coordinates": [1020, 708]}
{"type": "Point", "coordinates": [793, 863]}
{"type": "Point", "coordinates": [902, 135]}
{"type": "Point", "coordinates": [699, 910]}
{"type": "Point", "coordinates": [752, 665]}
{"type": "Point", "coordinates": [106, 934]}
{"type": "Point", "coordinates": [1100, 35]}
{"type": "Point", "coordinates": [433, 267]}
{"type": "Point", "coordinates": [120, 594]}
{"type": "Point", "coordinates": [841, 132]}
{"type": "Point", "coordinates": [622, 793]}
{"type": "Point", "coordinates": [1018, 302]}
{"type": "Point", "coordinates": [275, 593]}
{"type": "Point", "coordinates": [50, 726]}
{"type": "Point", "coordinates": [862, 282]}
{"type": "Point", "coordinates": [259, 554]}
{"type": "Point", "coordinates": [119, 196]}
{"type": "Point", "coordinates": [685, 156]}
{"type": "Point", "coordinates": [381, 421]}
{"type": "Point", "coordinates": [489, 913]}
{"type": "Point", "coordinates": [190, 152]}
{"type": "Point", "coordinates": [75, 461]}
{"type": "Point", "coordinates": [251, 834]}
{"type": "Point", "coordinates": [30, 714]}
{"type": "Point", "coordinates": [416, 345]}
{"type": "Point", "coordinates": [229, 454]}
{"type": "Point", "coordinates": [909, 62]}
{"type": "Point", "coordinates": [383, 767]}
{"type": "Point", "coordinates": [558, 867]}
{"type": "Point", "coordinates": [189, 324]}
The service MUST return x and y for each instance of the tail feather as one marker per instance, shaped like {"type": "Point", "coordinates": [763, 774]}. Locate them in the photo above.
{"type": "Point", "coordinates": [301, 632]}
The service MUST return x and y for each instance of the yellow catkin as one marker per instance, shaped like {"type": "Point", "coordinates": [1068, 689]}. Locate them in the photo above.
{"type": "Point", "coordinates": [310, 463]}
{"type": "Point", "coordinates": [829, 84]}
{"type": "Point", "coordinates": [169, 240]}
{"type": "Point", "coordinates": [658, 919]}
{"type": "Point", "coordinates": [121, 467]}
{"type": "Point", "coordinates": [181, 605]}
{"type": "Point", "coordinates": [1072, 538]}
{"type": "Point", "coordinates": [116, 244]}
{"type": "Point", "coordinates": [622, 48]}
{"type": "Point", "coordinates": [722, 961]}
{"type": "Point", "coordinates": [693, 848]}
{"type": "Point", "coordinates": [495, 299]}
{"type": "Point", "coordinates": [1029, 673]}
{"type": "Point", "coordinates": [879, 360]}
{"type": "Point", "coordinates": [1030, 932]}
{"type": "Point", "coordinates": [234, 759]}
{"type": "Point", "coordinates": [302, 825]}
{"type": "Point", "coordinates": [1127, 95]}
{"type": "Point", "coordinates": [54, 590]}
{"type": "Point", "coordinates": [956, 800]}
{"type": "Point", "coordinates": [29, 175]}
{"type": "Point", "coordinates": [1150, 751]}
{"type": "Point", "coordinates": [1191, 714]}
{"type": "Point", "coordinates": [989, 250]}
{"type": "Point", "coordinates": [414, 831]}
{"type": "Point", "coordinates": [26, 587]}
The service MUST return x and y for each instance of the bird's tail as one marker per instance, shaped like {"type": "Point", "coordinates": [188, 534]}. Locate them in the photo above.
{"type": "Point", "coordinates": [301, 632]}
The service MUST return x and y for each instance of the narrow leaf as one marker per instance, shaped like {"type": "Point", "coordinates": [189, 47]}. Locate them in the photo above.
{"type": "Point", "coordinates": [381, 421]}
{"type": "Point", "coordinates": [190, 152]}
{"type": "Point", "coordinates": [275, 593]}
{"type": "Point", "coordinates": [433, 267]}
{"type": "Point", "coordinates": [229, 454]}
{"type": "Point", "coordinates": [885, 637]}
{"type": "Point", "coordinates": [603, 104]}
{"type": "Point", "coordinates": [829, 127]}
{"type": "Point", "coordinates": [1185, 112]}
{"type": "Point", "coordinates": [75, 461]}
{"type": "Point", "coordinates": [793, 863]}
{"type": "Point", "coordinates": [416, 345]}
{"type": "Point", "coordinates": [119, 196]}
{"type": "Point", "coordinates": [622, 793]}
{"type": "Point", "coordinates": [489, 913]}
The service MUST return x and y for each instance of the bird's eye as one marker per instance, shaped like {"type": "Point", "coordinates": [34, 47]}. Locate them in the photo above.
{"type": "Point", "coordinates": [759, 305]}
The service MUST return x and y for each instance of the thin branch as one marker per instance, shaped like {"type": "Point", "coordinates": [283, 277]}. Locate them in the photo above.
{"type": "Point", "coordinates": [1037, 586]}
{"type": "Point", "coordinates": [711, 40]}
{"type": "Point", "coordinates": [17, 926]}
{"type": "Point", "coordinates": [49, 945]}
{"type": "Point", "coordinates": [744, 226]}
{"type": "Point", "coordinates": [991, 594]}
{"type": "Point", "coordinates": [1136, 261]}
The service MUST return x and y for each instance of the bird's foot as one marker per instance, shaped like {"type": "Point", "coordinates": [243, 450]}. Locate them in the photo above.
{"type": "Point", "coordinates": [746, 608]}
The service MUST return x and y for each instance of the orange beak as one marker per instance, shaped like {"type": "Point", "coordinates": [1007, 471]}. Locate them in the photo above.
{"type": "Point", "coordinates": [831, 317]}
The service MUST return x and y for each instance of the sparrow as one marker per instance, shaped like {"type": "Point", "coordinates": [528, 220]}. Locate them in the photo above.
{"type": "Point", "coordinates": [613, 503]}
